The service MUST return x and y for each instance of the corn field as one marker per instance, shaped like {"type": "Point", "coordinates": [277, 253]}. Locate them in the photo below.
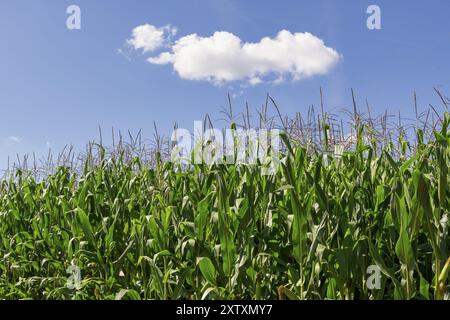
{"type": "Point", "coordinates": [224, 231]}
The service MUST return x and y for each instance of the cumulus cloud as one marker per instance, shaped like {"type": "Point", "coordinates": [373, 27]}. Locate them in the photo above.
{"type": "Point", "coordinates": [224, 57]}
{"type": "Point", "coordinates": [149, 38]}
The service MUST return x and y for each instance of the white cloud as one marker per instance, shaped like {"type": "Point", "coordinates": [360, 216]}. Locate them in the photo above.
{"type": "Point", "coordinates": [253, 81]}
{"type": "Point", "coordinates": [224, 57]}
{"type": "Point", "coordinates": [149, 38]}
{"type": "Point", "coordinates": [14, 139]}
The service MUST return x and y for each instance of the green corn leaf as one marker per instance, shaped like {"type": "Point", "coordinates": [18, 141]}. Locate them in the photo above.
{"type": "Point", "coordinates": [207, 269]}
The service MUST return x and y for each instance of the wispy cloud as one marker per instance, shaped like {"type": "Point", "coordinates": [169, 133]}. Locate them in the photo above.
{"type": "Point", "coordinates": [224, 57]}
{"type": "Point", "coordinates": [14, 139]}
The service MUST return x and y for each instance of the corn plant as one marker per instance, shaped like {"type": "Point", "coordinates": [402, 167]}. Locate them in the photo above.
{"type": "Point", "coordinates": [224, 231]}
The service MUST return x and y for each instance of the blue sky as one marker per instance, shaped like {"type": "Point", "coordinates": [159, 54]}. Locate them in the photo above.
{"type": "Point", "coordinates": [58, 85]}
